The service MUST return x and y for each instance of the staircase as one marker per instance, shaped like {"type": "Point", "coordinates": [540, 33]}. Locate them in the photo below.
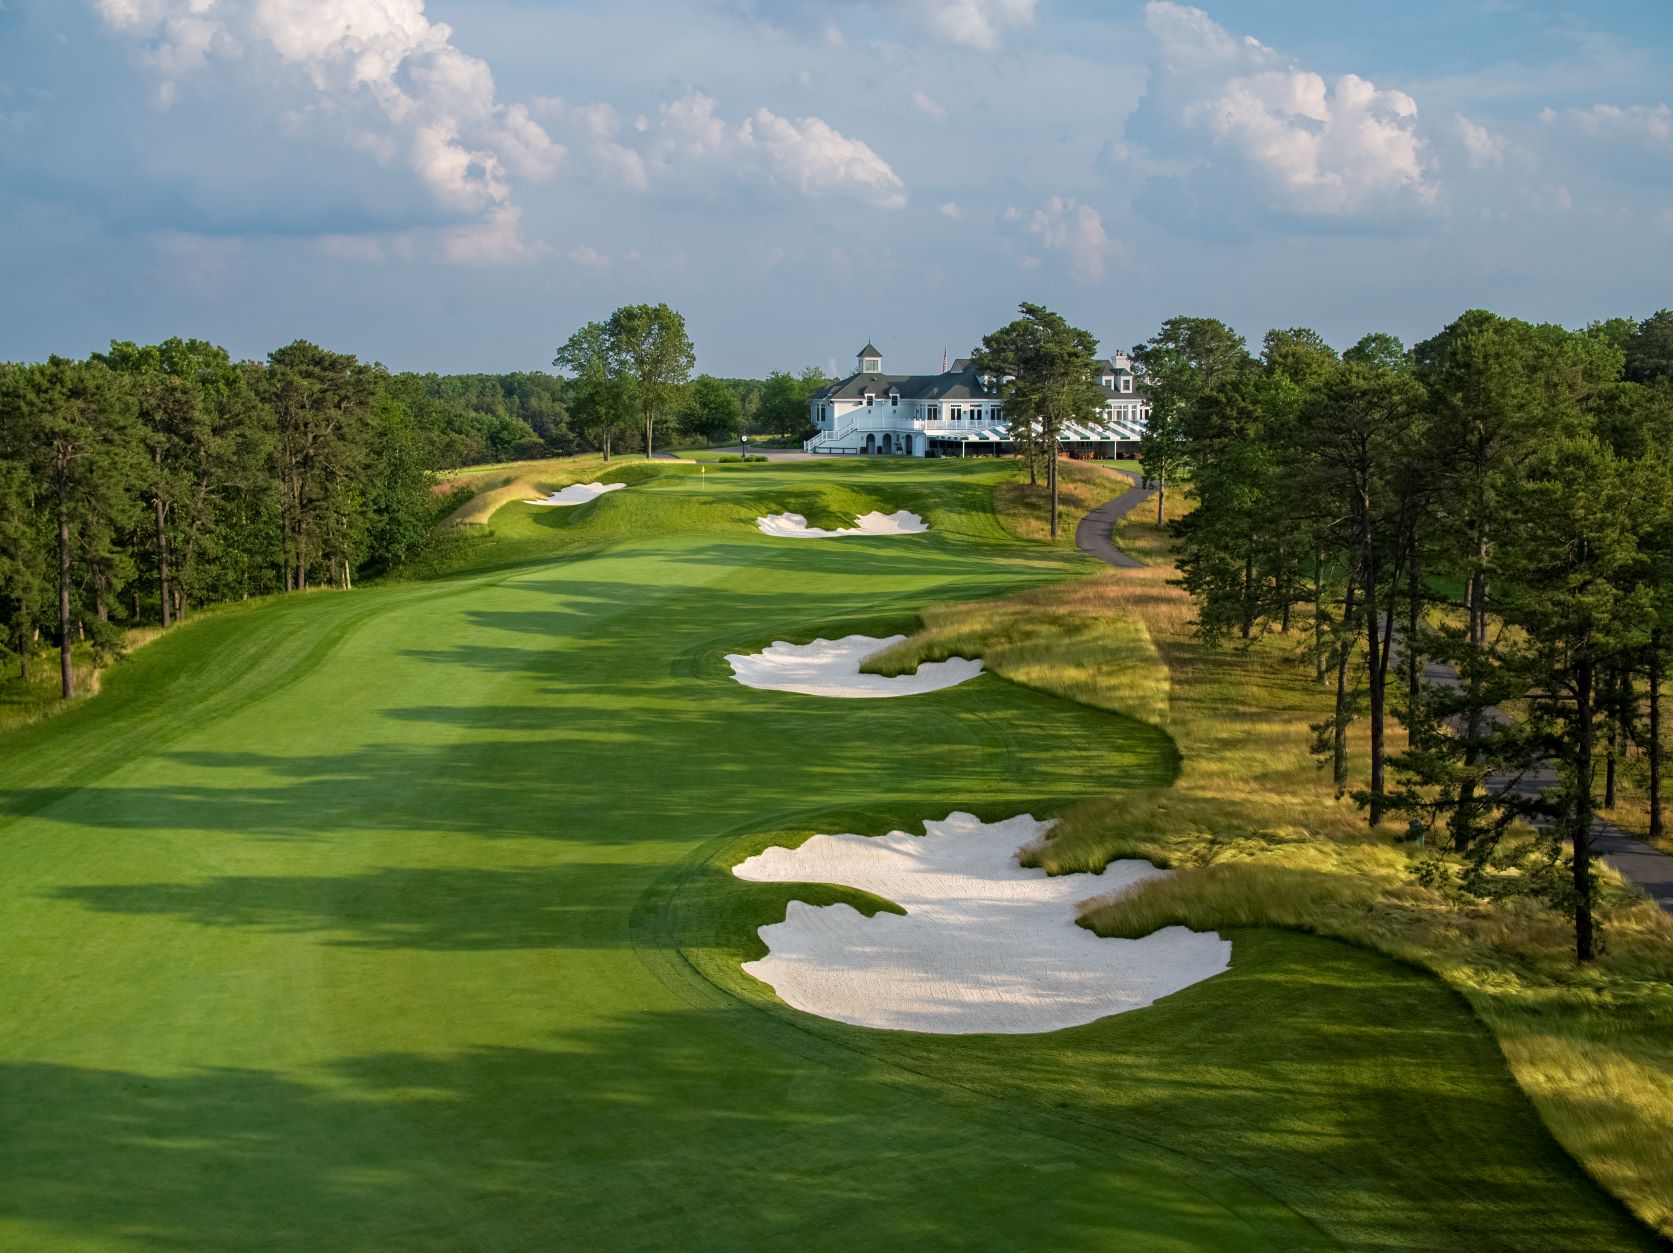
{"type": "Point", "coordinates": [828, 437]}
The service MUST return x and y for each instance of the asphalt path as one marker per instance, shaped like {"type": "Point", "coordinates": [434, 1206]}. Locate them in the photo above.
{"type": "Point", "coordinates": [1093, 533]}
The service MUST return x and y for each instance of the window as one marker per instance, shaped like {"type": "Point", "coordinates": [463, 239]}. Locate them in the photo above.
{"type": "Point", "coordinates": [870, 400]}
{"type": "Point", "coordinates": [1126, 382]}
{"type": "Point", "coordinates": [975, 415]}
{"type": "Point", "coordinates": [994, 413]}
{"type": "Point", "coordinates": [958, 413]}
{"type": "Point", "coordinates": [894, 402]}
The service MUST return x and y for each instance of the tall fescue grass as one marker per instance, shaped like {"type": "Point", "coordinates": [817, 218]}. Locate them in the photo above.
{"type": "Point", "coordinates": [1257, 838]}
{"type": "Point", "coordinates": [1631, 811]}
{"type": "Point", "coordinates": [498, 486]}
{"type": "Point", "coordinates": [1081, 487]}
{"type": "Point", "coordinates": [1051, 638]}
{"type": "Point", "coordinates": [25, 701]}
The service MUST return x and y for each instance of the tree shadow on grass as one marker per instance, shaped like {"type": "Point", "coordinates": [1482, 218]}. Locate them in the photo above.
{"type": "Point", "coordinates": [1359, 1092]}
{"type": "Point", "coordinates": [636, 767]}
{"type": "Point", "coordinates": [444, 909]}
{"type": "Point", "coordinates": [666, 1130]}
{"type": "Point", "coordinates": [1320, 1105]}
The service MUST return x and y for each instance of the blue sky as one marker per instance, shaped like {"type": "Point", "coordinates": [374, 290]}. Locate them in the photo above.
{"type": "Point", "coordinates": [453, 185]}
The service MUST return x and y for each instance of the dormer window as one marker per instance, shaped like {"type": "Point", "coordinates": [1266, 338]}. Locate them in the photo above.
{"type": "Point", "coordinates": [894, 402]}
{"type": "Point", "coordinates": [1126, 382]}
{"type": "Point", "coordinates": [870, 400]}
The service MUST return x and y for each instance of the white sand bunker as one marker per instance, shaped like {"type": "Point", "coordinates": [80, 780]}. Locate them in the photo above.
{"type": "Point", "coordinates": [794, 525]}
{"type": "Point", "coordinates": [984, 946]}
{"type": "Point", "coordinates": [832, 668]}
{"type": "Point", "coordinates": [578, 494]}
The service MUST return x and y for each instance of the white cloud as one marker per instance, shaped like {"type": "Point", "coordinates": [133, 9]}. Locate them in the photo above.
{"type": "Point", "coordinates": [1616, 155]}
{"type": "Point", "coordinates": [1485, 149]}
{"type": "Point", "coordinates": [691, 127]}
{"type": "Point", "coordinates": [806, 154]}
{"type": "Point", "coordinates": [590, 258]}
{"type": "Point", "coordinates": [595, 129]}
{"type": "Point", "coordinates": [496, 241]}
{"type": "Point", "coordinates": [815, 158]}
{"type": "Point", "coordinates": [1639, 121]}
{"type": "Point", "coordinates": [1074, 229]}
{"type": "Point", "coordinates": [922, 102]}
{"type": "Point", "coordinates": [1251, 115]}
{"type": "Point", "coordinates": [979, 24]}
{"type": "Point", "coordinates": [385, 74]}
{"type": "Point", "coordinates": [950, 210]}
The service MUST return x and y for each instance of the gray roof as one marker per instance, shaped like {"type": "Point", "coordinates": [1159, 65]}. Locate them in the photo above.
{"type": "Point", "coordinates": [870, 350]}
{"type": "Point", "coordinates": [956, 384]}
{"type": "Point", "coordinates": [959, 383]}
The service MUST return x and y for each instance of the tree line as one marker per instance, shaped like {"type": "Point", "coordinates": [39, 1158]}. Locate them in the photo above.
{"type": "Point", "coordinates": [630, 380]}
{"type": "Point", "coordinates": [1472, 537]}
{"type": "Point", "coordinates": [147, 481]}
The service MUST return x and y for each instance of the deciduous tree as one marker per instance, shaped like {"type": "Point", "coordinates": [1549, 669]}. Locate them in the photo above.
{"type": "Point", "coordinates": [713, 411]}
{"type": "Point", "coordinates": [602, 403]}
{"type": "Point", "coordinates": [650, 350]}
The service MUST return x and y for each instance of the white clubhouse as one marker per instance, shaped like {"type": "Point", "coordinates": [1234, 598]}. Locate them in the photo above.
{"type": "Point", "coordinates": [958, 413]}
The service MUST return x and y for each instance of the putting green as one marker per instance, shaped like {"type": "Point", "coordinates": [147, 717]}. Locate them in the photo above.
{"type": "Point", "coordinates": [400, 920]}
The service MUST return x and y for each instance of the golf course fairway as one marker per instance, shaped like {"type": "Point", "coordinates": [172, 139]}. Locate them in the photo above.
{"type": "Point", "coordinates": [402, 920]}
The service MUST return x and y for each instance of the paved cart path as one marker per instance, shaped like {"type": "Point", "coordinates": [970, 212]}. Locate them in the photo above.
{"type": "Point", "coordinates": [1637, 861]}
{"type": "Point", "coordinates": [1093, 533]}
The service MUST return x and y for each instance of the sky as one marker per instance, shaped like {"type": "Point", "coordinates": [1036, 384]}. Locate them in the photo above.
{"type": "Point", "coordinates": [456, 185]}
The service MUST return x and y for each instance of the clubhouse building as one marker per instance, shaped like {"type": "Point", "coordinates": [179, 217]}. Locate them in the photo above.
{"type": "Point", "coordinates": [959, 413]}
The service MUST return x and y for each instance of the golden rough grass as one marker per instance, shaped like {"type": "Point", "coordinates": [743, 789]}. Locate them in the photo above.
{"type": "Point", "coordinates": [24, 703]}
{"type": "Point", "coordinates": [1081, 486]}
{"type": "Point", "coordinates": [1257, 838]}
{"type": "Point", "coordinates": [1052, 638]}
{"type": "Point", "coordinates": [527, 480]}
{"type": "Point", "coordinates": [495, 493]}
{"type": "Point", "coordinates": [1632, 801]}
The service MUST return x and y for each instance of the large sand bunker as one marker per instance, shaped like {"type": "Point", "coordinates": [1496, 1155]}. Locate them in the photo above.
{"type": "Point", "coordinates": [832, 668]}
{"type": "Point", "coordinates": [794, 525]}
{"type": "Point", "coordinates": [985, 945]}
{"type": "Point", "coordinates": [578, 494]}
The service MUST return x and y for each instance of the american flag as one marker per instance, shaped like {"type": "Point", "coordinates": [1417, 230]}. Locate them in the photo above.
{"type": "Point", "coordinates": [943, 361]}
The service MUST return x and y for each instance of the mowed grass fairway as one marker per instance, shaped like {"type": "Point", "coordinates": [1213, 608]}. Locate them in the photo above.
{"type": "Point", "coordinates": [400, 920]}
